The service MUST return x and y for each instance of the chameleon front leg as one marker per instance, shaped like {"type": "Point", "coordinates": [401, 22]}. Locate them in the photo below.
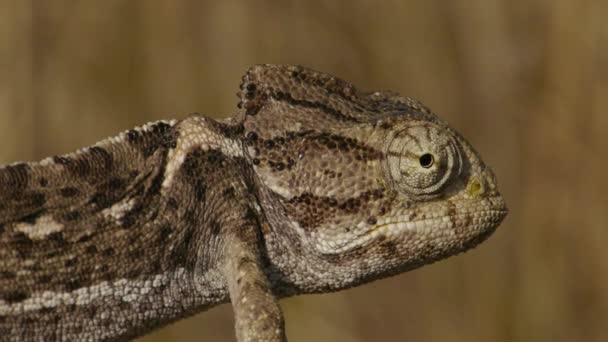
{"type": "Point", "coordinates": [258, 316]}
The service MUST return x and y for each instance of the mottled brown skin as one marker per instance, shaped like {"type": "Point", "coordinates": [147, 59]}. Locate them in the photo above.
{"type": "Point", "coordinates": [312, 187]}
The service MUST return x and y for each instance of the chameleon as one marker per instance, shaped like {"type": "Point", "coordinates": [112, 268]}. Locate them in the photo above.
{"type": "Point", "coordinates": [312, 186]}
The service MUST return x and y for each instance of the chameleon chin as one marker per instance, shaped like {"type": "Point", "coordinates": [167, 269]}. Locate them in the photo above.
{"type": "Point", "coordinates": [313, 186]}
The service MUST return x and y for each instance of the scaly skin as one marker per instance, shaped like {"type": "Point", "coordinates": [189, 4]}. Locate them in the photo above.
{"type": "Point", "coordinates": [312, 187]}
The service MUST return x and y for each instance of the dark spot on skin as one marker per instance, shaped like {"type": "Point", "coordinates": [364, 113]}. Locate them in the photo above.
{"type": "Point", "coordinates": [372, 220]}
{"type": "Point", "coordinates": [16, 296]}
{"type": "Point", "coordinates": [332, 112]}
{"type": "Point", "coordinates": [330, 173]}
{"type": "Point", "coordinates": [279, 166]}
{"type": "Point", "coordinates": [251, 87]}
{"type": "Point", "coordinates": [269, 144]}
{"type": "Point", "coordinates": [72, 216]}
{"type": "Point", "coordinates": [104, 270]}
{"type": "Point", "coordinates": [191, 217]}
{"type": "Point", "coordinates": [214, 156]}
{"type": "Point", "coordinates": [158, 135]}
{"type": "Point", "coordinates": [133, 174]}
{"type": "Point", "coordinates": [133, 136]}
{"type": "Point", "coordinates": [161, 128]}
{"type": "Point", "coordinates": [215, 228]}
{"type": "Point", "coordinates": [252, 137]}
{"type": "Point", "coordinates": [172, 203]}
{"type": "Point", "coordinates": [90, 311]}
{"type": "Point", "coordinates": [390, 247]}
{"type": "Point", "coordinates": [36, 199]}
{"type": "Point", "coordinates": [70, 262]}
{"type": "Point", "coordinates": [101, 200]}
{"type": "Point", "coordinates": [108, 252]}
{"type": "Point", "coordinates": [156, 184]}
{"type": "Point", "coordinates": [91, 249]}
{"type": "Point", "coordinates": [250, 214]}
{"type": "Point", "coordinates": [73, 285]}
{"type": "Point", "coordinates": [45, 279]}
{"type": "Point", "coordinates": [164, 233]}
{"type": "Point", "coordinates": [133, 239]}
{"type": "Point", "coordinates": [256, 161]}
{"type": "Point", "coordinates": [427, 250]}
{"type": "Point", "coordinates": [33, 267]}
{"type": "Point", "coordinates": [136, 254]}
{"type": "Point", "coordinates": [79, 166]}
{"type": "Point", "coordinates": [15, 177]}
{"type": "Point", "coordinates": [22, 243]}
{"type": "Point", "coordinates": [252, 108]}
{"type": "Point", "coordinates": [129, 220]}
{"type": "Point", "coordinates": [69, 192]}
{"type": "Point", "coordinates": [230, 131]}
{"type": "Point", "coordinates": [378, 193]}
{"type": "Point", "coordinates": [116, 184]}
{"type": "Point", "coordinates": [62, 160]}
{"type": "Point", "coordinates": [31, 218]}
{"type": "Point", "coordinates": [56, 238]}
{"type": "Point", "coordinates": [200, 190]}
{"type": "Point", "coordinates": [180, 252]}
{"type": "Point", "coordinates": [156, 267]}
{"type": "Point", "coordinates": [85, 238]}
{"type": "Point", "coordinates": [101, 158]}
{"type": "Point", "coordinates": [43, 182]}
{"type": "Point", "coordinates": [229, 192]}
{"type": "Point", "coordinates": [7, 275]}
{"type": "Point", "coordinates": [451, 209]}
{"type": "Point", "coordinates": [386, 125]}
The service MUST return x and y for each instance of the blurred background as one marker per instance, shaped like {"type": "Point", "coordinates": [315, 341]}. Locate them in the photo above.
{"type": "Point", "coordinates": [525, 81]}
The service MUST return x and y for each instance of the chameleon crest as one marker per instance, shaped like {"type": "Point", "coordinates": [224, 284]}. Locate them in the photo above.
{"type": "Point", "coordinates": [312, 187]}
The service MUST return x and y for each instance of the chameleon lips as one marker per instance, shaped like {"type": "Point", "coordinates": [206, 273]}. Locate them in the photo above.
{"type": "Point", "coordinates": [477, 218]}
{"type": "Point", "coordinates": [443, 225]}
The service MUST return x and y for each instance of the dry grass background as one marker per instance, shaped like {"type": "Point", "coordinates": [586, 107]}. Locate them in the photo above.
{"type": "Point", "coordinates": [525, 81]}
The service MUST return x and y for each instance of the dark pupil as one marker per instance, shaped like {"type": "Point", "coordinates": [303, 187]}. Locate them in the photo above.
{"type": "Point", "coordinates": [426, 160]}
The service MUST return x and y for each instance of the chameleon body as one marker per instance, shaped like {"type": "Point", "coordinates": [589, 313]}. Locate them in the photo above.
{"type": "Point", "coordinates": [312, 187]}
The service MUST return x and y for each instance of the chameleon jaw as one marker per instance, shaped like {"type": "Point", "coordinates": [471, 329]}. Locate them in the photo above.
{"type": "Point", "coordinates": [472, 222]}
{"type": "Point", "coordinates": [441, 225]}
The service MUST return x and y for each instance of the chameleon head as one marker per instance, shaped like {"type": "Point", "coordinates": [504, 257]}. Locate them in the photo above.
{"type": "Point", "coordinates": [445, 198]}
{"type": "Point", "coordinates": [368, 187]}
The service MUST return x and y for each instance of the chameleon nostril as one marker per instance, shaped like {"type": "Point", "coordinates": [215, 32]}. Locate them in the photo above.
{"type": "Point", "coordinates": [475, 187]}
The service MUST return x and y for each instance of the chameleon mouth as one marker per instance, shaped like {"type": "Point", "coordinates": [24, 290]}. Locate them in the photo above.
{"type": "Point", "coordinates": [440, 225]}
{"type": "Point", "coordinates": [474, 218]}
{"type": "Point", "coordinates": [436, 223]}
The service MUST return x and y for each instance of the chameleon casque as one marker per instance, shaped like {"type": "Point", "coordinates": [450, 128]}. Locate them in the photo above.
{"type": "Point", "coordinates": [312, 187]}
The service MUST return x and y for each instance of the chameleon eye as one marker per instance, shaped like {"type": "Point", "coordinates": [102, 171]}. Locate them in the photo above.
{"type": "Point", "coordinates": [426, 160]}
{"type": "Point", "coordinates": [422, 158]}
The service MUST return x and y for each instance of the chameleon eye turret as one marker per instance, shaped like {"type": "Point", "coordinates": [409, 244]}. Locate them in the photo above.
{"type": "Point", "coordinates": [422, 158]}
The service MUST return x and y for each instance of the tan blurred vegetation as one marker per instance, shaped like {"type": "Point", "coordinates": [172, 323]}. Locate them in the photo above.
{"type": "Point", "coordinates": [525, 81]}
